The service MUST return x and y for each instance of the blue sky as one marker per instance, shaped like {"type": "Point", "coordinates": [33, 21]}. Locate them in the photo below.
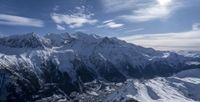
{"type": "Point", "coordinates": [144, 22]}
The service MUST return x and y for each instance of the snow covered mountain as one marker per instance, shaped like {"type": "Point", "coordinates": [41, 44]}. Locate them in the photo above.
{"type": "Point", "coordinates": [33, 67]}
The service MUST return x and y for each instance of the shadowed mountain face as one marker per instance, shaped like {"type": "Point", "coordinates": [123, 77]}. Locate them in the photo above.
{"type": "Point", "coordinates": [33, 67]}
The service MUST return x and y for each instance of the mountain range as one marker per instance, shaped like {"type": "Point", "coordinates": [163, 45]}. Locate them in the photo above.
{"type": "Point", "coordinates": [67, 67]}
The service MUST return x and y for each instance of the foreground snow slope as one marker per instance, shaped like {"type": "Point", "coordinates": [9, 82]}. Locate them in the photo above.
{"type": "Point", "coordinates": [182, 87]}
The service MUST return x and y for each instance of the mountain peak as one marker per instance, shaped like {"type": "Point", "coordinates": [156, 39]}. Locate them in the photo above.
{"type": "Point", "coordinates": [29, 40]}
{"type": "Point", "coordinates": [81, 35]}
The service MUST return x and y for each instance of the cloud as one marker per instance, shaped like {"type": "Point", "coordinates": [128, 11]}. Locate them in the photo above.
{"type": "Point", "coordinates": [76, 19]}
{"type": "Point", "coordinates": [160, 9]}
{"type": "Point", "coordinates": [56, 8]}
{"type": "Point", "coordinates": [20, 21]}
{"type": "Point", "coordinates": [111, 24]}
{"type": "Point", "coordinates": [168, 41]}
{"type": "Point", "coordinates": [196, 26]}
{"type": "Point", "coordinates": [134, 30]}
{"type": "Point", "coordinates": [118, 5]}
{"type": "Point", "coordinates": [59, 27]}
{"type": "Point", "coordinates": [1, 35]}
{"type": "Point", "coordinates": [107, 21]}
{"type": "Point", "coordinates": [142, 10]}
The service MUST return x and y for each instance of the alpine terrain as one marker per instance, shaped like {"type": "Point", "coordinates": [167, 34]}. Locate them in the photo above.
{"type": "Point", "coordinates": [89, 68]}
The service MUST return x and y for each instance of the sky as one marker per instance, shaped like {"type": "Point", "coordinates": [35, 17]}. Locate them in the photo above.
{"type": "Point", "coordinates": [161, 24]}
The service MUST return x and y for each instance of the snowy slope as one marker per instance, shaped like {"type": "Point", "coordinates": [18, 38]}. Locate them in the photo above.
{"type": "Point", "coordinates": [182, 87]}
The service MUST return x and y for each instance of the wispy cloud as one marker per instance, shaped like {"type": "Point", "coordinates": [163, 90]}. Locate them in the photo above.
{"type": "Point", "coordinates": [196, 26]}
{"type": "Point", "coordinates": [160, 9]}
{"type": "Point", "coordinates": [111, 24]}
{"type": "Point", "coordinates": [134, 30]}
{"type": "Point", "coordinates": [1, 35]}
{"type": "Point", "coordinates": [20, 21]}
{"type": "Point", "coordinates": [59, 27]}
{"type": "Point", "coordinates": [56, 8]}
{"type": "Point", "coordinates": [76, 19]}
{"type": "Point", "coordinates": [168, 41]}
{"type": "Point", "coordinates": [118, 5]}
{"type": "Point", "coordinates": [142, 10]}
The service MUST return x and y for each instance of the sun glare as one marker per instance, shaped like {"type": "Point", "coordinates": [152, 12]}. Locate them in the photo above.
{"type": "Point", "coordinates": [164, 2]}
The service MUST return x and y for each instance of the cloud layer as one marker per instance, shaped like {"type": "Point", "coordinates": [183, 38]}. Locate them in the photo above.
{"type": "Point", "coordinates": [168, 41]}
{"type": "Point", "coordinates": [20, 21]}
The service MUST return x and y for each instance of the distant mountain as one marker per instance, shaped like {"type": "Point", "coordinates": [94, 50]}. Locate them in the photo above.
{"type": "Point", "coordinates": [34, 67]}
